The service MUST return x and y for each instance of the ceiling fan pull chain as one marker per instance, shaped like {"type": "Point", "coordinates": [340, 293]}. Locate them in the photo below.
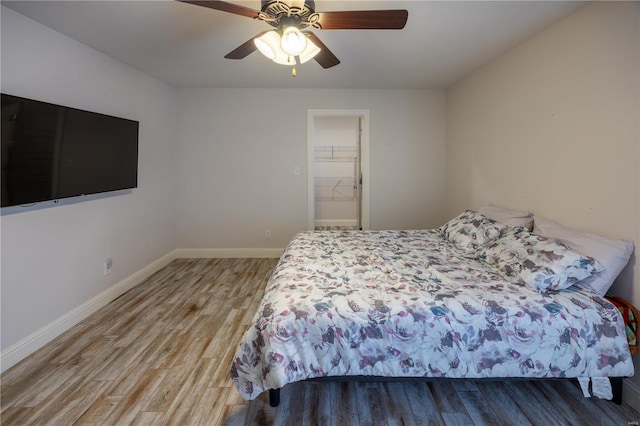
{"type": "Point", "coordinates": [293, 72]}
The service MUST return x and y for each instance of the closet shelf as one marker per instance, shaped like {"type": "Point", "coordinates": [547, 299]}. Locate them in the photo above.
{"type": "Point", "coordinates": [341, 181]}
{"type": "Point", "coordinates": [335, 153]}
{"type": "Point", "coordinates": [335, 188]}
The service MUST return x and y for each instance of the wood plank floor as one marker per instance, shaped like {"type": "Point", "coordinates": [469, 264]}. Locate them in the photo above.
{"type": "Point", "coordinates": [160, 355]}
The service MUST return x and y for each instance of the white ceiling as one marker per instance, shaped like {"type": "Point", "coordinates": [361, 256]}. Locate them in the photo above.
{"type": "Point", "coordinates": [184, 45]}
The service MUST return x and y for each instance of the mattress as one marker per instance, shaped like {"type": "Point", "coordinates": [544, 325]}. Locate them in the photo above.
{"type": "Point", "coordinates": [408, 304]}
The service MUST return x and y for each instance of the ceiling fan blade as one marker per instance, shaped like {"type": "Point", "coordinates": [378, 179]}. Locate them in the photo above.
{"type": "Point", "coordinates": [245, 49]}
{"type": "Point", "coordinates": [325, 58]}
{"type": "Point", "coordinates": [364, 20]}
{"type": "Point", "coordinates": [225, 7]}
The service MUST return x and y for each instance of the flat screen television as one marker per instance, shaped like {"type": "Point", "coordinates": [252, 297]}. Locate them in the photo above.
{"type": "Point", "coordinates": [50, 152]}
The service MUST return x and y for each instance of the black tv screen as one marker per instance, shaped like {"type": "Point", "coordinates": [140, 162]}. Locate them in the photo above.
{"type": "Point", "coordinates": [51, 152]}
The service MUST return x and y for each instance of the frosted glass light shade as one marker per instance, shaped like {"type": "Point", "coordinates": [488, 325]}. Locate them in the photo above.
{"type": "Point", "coordinates": [284, 59]}
{"type": "Point", "coordinates": [268, 44]}
{"type": "Point", "coordinates": [293, 42]}
{"type": "Point", "coordinates": [309, 53]}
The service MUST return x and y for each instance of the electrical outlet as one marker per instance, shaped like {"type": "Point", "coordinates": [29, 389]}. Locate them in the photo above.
{"type": "Point", "coordinates": [267, 234]}
{"type": "Point", "coordinates": [108, 266]}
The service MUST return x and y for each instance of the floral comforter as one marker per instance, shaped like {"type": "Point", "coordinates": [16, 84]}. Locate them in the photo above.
{"type": "Point", "coordinates": [406, 303]}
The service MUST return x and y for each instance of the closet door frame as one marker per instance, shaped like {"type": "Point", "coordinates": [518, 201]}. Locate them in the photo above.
{"type": "Point", "coordinates": [365, 170]}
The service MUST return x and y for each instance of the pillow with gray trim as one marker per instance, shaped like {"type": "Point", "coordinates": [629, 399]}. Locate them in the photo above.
{"type": "Point", "coordinates": [507, 216]}
{"type": "Point", "coordinates": [538, 262]}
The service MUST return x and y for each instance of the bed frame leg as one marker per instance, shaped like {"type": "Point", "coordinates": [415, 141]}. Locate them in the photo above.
{"type": "Point", "coordinates": [616, 388]}
{"type": "Point", "coordinates": [274, 397]}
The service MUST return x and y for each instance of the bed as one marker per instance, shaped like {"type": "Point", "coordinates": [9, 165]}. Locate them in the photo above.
{"type": "Point", "coordinates": [473, 299]}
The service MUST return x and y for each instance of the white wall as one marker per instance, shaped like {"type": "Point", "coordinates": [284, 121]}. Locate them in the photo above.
{"type": "Point", "coordinates": [238, 149]}
{"type": "Point", "coordinates": [215, 168]}
{"type": "Point", "coordinates": [52, 258]}
{"type": "Point", "coordinates": [553, 126]}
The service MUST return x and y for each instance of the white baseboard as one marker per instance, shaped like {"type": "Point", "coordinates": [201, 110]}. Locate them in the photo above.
{"type": "Point", "coordinates": [631, 394]}
{"type": "Point", "coordinates": [336, 222]}
{"type": "Point", "coordinates": [26, 346]}
{"type": "Point", "coordinates": [206, 253]}
{"type": "Point", "coordinates": [20, 350]}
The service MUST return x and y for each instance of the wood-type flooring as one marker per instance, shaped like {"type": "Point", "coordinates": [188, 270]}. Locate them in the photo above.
{"type": "Point", "coordinates": [160, 355]}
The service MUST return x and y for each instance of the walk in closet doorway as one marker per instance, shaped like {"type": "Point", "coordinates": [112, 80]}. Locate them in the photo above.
{"type": "Point", "coordinates": [338, 169]}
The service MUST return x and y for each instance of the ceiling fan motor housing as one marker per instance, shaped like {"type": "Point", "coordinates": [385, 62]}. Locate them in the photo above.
{"type": "Point", "coordinates": [308, 4]}
{"type": "Point", "coordinates": [278, 13]}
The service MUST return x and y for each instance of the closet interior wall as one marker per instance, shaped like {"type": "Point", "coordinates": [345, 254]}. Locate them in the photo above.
{"type": "Point", "coordinates": [337, 172]}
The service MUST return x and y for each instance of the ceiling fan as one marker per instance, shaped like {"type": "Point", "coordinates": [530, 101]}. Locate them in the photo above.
{"type": "Point", "coordinates": [288, 44]}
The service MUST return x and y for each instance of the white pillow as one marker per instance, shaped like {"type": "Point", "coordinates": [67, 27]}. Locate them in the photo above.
{"type": "Point", "coordinates": [507, 216]}
{"type": "Point", "coordinates": [612, 254]}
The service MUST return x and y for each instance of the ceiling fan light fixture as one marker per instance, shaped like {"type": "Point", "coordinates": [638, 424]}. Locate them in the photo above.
{"type": "Point", "coordinates": [293, 42]}
{"type": "Point", "coordinates": [269, 44]}
{"type": "Point", "coordinates": [309, 53]}
{"type": "Point", "coordinates": [284, 59]}
{"type": "Point", "coordinates": [289, 17]}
